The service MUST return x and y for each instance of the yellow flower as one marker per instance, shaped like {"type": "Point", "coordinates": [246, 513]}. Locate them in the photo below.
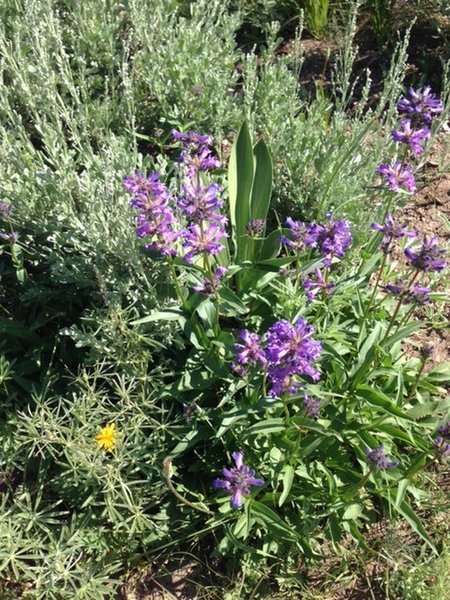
{"type": "Point", "coordinates": [106, 437]}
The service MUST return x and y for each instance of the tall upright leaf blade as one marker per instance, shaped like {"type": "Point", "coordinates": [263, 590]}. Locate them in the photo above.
{"type": "Point", "coordinates": [261, 193]}
{"type": "Point", "coordinates": [240, 181]}
{"type": "Point", "coordinates": [262, 182]}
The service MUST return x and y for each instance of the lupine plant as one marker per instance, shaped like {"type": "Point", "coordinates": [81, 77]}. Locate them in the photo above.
{"type": "Point", "coordinates": [293, 351]}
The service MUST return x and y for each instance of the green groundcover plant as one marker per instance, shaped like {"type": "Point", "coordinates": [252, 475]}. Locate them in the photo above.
{"type": "Point", "coordinates": [273, 407]}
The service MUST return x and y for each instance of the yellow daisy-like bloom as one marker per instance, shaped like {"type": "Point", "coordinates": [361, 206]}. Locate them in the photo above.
{"type": "Point", "coordinates": [106, 437]}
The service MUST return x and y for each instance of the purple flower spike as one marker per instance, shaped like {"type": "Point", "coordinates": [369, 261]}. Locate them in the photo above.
{"type": "Point", "coordinates": [199, 202]}
{"type": "Point", "coordinates": [192, 137]}
{"type": "Point", "coordinates": [421, 105]}
{"type": "Point", "coordinates": [291, 351]}
{"type": "Point", "coordinates": [298, 235]}
{"type": "Point", "coordinates": [198, 240]}
{"type": "Point", "coordinates": [398, 288]}
{"type": "Point", "coordinates": [419, 295]}
{"type": "Point", "coordinates": [415, 138]}
{"type": "Point", "coordinates": [442, 441]}
{"type": "Point", "coordinates": [426, 352]}
{"type": "Point", "coordinates": [398, 176]}
{"type": "Point", "coordinates": [250, 352]}
{"type": "Point", "coordinates": [380, 459]}
{"type": "Point", "coordinates": [428, 257]}
{"type": "Point", "coordinates": [332, 239]}
{"type": "Point", "coordinates": [392, 230]}
{"type": "Point", "coordinates": [255, 229]}
{"type": "Point", "coordinates": [196, 154]}
{"type": "Point", "coordinates": [149, 193]}
{"type": "Point", "coordinates": [237, 480]}
{"type": "Point", "coordinates": [313, 284]}
{"type": "Point", "coordinates": [311, 406]}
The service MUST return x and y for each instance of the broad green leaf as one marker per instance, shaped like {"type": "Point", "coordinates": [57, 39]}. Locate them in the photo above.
{"type": "Point", "coordinates": [270, 247]}
{"type": "Point", "coordinates": [395, 432]}
{"type": "Point", "coordinates": [288, 479]}
{"type": "Point", "coordinates": [366, 355]}
{"type": "Point", "coordinates": [430, 408]}
{"type": "Point", "coordinates": [262, 182]}
{"type": "Point", "coordinates": [240, 181]}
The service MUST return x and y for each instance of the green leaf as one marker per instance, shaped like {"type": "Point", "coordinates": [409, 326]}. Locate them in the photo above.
{"type": "Point", "coordinates": [407, 437]}
{"type": "Point", "coordinates": [401, 491]}
{"type": "Point", "coordinates": [402, 334]}
{"type": "Point", "coordinates": [352, 512]}
{"type": "Point", "coordinates": [262, 182]}
{"type": "Point", "coordinates": [407, 512]}
{"type": "Point", "coordinates": [380, 400]}
{"type": "Point", "coordinates": [231, 301]}
{"type": "Point", "coordinates": [288, 479]}
{"type": "Point", "coordinates": [440, 374]}
{"type": "Point", "coordinates": [267, 426]}
{"type": "Point", "coordinates": [161, 315]}
{"type": "Point", "coordinates": [366, 355]}
{"type": "Point", "coordinates": [272, 521]}
{"type": "Point", "coordinates": [240, 181]}
{"type": "Point", "coordinates": [270, 247]}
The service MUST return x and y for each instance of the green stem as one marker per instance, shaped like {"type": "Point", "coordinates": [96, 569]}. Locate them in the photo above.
{"type": "Point", "coordinates": [416, 382]}
{"type": "Point", "coordinates": [380, 272]}
{"type": "Point", "coordinates": [167, 470]}
{"type": "Point", "coordinates": [208, 269]}
{"type": "Point", "coordinates": [406, 318]}
{"type": "Point", "coordinates": [176, 283]}
{"type": "Point", "coordinates": [399, 303]}
{"type": "Point", "coordinates": [361, 484]}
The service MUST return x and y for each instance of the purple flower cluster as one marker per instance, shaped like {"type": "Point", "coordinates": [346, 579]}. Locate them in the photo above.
{"type": "Point", "coordinates": [392, 231]}
{"type": "Point", "coordinates": [331, 239]}
{"type": "Point", "coordinates": [313, 284]}
{"type": "Point", "coordinates": [289, 352]}
{"type": "Point", "coordinates": [190, 225]}
{"type": "Point", "coordinates": [442, 441]}
{"type": "Point", "coordinates": [413, 137]}
{"type": "Point", "coordinates": [428, 257]}
{"type": "Point", "coordinates": [250, 352]}
{"type": "Point", "coordinates": [237, 480]}
{"type": "Point", "coordinates": [379, 458]}
{"type": "Point", "coordinates": [398, 176]}
{"type": "Point", "coordinates": [415, 295]}
{"type": "Point", "coordinates": [196, 154]}
{"type": "Point", "coordinates": [311, 406]}
{"type": "Point", "coordinates": [155, 219]}
{"type": "Point", "coordinates": [419, 106]}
